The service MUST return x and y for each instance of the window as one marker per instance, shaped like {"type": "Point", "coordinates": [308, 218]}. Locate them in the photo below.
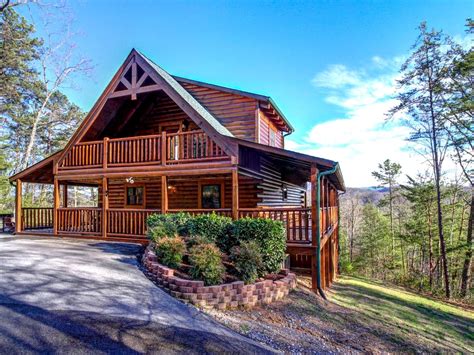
{"type": "Point", "coordinates": [211, 196]}
{"type": "Point", "coordinates": [272, 138]}
{"type": "Point", "coordinates": [135, 196]}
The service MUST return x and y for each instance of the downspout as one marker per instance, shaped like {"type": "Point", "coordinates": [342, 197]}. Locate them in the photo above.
{"type": "Point", "coordinates": [318, 231]}
{"type": "Point", "coordinates": [339, 231]}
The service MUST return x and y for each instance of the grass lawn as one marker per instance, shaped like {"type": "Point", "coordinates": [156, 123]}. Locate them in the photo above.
{"type": "Point", "coordinates": [359, 316]}
{"type": "Point", "coordinates": [406, 319]}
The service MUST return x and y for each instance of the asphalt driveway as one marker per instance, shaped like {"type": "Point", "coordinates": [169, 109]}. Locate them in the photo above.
{"type": "Point", "coordinates": [76, 296]}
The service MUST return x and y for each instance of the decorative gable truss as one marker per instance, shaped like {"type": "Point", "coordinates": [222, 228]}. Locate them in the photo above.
{"type": "Point", "coordinates": [135, 80]}
{"type": "Point", "coordinates": [139, 75]}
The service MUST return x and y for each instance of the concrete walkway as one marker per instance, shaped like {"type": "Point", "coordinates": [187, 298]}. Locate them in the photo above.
{"type": "Point", "coordinates": [66, 295]}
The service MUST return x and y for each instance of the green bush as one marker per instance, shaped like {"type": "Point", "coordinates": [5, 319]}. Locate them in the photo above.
{"type": "Point", "coordinates": [206, 263]}
{"type": "Point", "coordinates": [170, 251]}
{"type": "Point", "coordinates": [270, 237]}
{"type": "Point", "coordinates": [212, 227]}
{"type": "Point", "coordinates": [166, 225]}
{"type": "Point", "coordinates": [247, 260]}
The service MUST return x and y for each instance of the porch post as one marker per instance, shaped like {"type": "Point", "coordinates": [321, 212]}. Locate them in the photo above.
{"type": "Point", "coordinates": [164, 194]}
{"type": "Point", "coordinates": [18, 206]}
{"type": "Point", "coordinates": [235, 194]}
{"type": "Point", "coordinates": [55, 205]}
{"type": "Point", "coordinates": [65, 195]}
{"type": "Point", "coordinates": [105, 205]}
{"type": "Point", "coordinates": [314, 226]}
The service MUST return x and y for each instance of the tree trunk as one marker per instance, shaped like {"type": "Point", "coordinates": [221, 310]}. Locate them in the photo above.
{"type": "Point", "coordinates": [34, 129]}
{"type": "Point", "coordinates": [466, 270]}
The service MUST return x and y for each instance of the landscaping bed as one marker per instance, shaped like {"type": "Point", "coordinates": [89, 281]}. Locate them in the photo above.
{"type": "Point", "coordinates": [223, 296]}
{"type": "Point", "coordinates": [215, 262]}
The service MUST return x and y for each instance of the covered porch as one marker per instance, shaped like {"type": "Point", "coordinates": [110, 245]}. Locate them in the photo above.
{"type": "Point", "coordinates": [283, 187]}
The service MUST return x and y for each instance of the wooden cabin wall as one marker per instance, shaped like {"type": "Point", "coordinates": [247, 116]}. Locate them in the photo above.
{"type": "Point", "coordinates": [235, 112]}
{"type": "Point", "coordinates": [248, 192]}
{"type": "Point", "coordinates": [265, 125]}
{"type": "Point", "coordinates": [164, 110]}
{"type": "Point", "coordinates": [185, 191]}
{"type": "Point", "coordinates": [117, 192]}
{"type": "Point", "coordinates": [271, 188]}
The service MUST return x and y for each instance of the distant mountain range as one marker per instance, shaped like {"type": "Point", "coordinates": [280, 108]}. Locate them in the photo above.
{"type": "Point", "coordinates": [369, 194]}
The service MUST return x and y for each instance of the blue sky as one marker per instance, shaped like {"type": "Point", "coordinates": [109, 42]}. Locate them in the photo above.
{"type": "Point", "coordinates": [328, 64]}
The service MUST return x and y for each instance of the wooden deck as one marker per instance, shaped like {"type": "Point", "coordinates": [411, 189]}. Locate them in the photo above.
{"type": "Point", "coordinates": [163, 149]}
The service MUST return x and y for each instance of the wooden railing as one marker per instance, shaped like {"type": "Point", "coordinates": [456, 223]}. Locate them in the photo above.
{"type": "Point", "coordinates": [191, 146]}
{"type": "Point", "coordinates": [37, 217]}
{"type": "Point", "coordinates": [88, 154]}
{"type": "Point", "coordinates": [128, 222]}
{"type": "Point", "coordinates": [132, 222]}
{"type": "Point", "coordinates": [297, 221]}
{"type": "Point", "coordinates": [87, 220]}
{"type": "Point", "coordinates": [328, 218]}
{"type": "Point", "coordinates": [134, 150]}
{"type": "Point", "coordinates": [221, 211]}
{"type": "Point", "coordinates": [181, 147]}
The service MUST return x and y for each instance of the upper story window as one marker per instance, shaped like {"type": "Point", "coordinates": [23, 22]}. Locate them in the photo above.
{"type": "Point", "coordinates": [135, 196]}
{"type": "Point", "coordinates": [272, 138]}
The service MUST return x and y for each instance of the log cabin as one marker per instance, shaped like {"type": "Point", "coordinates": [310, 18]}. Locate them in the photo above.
{"type": "Point", "coordinates": [157, 143]}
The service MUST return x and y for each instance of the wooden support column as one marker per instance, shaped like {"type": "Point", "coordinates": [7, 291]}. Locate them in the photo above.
{"type": "Point", "coordinates": [18, 206]}
{"type": "Point", "coordinates": [56, 201]}
{"type": "Point", "coordinates": [163, 148]}
{"type": "Point", "coordinates": [235, 194]}
{"type": "Point", "coordinates": [65, 195]}
{"type": "Point", "coordinates": [105, 150]}
{"type": "Point", "coordinates": [105, 205]}
{"type": "Point", "coordinates": [164, 194]}
{"type": "Point", "coordinates": [314, 225]}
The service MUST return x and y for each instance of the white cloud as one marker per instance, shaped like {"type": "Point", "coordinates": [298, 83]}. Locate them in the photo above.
{"type": "Point", "coordinates": [362, 137]}
{"type": "Point", "coordinates": [337, 76]}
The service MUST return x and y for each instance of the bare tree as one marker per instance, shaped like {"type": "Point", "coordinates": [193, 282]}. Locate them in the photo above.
{"type": "Point", "coordinates": [59, 65]}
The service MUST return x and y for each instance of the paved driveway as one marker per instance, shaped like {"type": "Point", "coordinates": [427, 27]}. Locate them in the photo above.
{"type": "Point", "coordinates": [75, 296]}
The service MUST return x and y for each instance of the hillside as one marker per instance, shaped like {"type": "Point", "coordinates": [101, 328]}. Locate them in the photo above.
{"type": "Point", "coordinates": [359, 316]}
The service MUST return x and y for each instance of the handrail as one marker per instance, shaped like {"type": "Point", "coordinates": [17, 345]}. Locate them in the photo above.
{"type": "Point", "coordinates": [172, 148]}
{"type": "Point", "coordinates": [134, 138]}
{"type": "Point", "coordinates": [79, 208]}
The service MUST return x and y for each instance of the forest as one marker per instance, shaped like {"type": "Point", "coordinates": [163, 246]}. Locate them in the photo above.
{"type": "Point", "coordinates": [418, 233]}
{"type": "Point", "coordinates": [414, 231]}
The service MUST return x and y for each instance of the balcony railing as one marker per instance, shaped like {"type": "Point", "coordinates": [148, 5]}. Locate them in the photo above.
{"type": "Point", "coordinates": [165, 148]}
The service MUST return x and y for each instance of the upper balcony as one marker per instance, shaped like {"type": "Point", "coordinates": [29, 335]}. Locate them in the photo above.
{"type": "Point", "coordinates": [161, 149]}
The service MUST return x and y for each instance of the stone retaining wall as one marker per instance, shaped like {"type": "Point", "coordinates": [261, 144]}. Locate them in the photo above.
{"type": "Point", "coordinates": [223, 296]}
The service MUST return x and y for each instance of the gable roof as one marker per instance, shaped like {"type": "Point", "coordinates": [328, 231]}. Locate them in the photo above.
{"type": "Point", "coordinates": [196, 112]}
{"type": "Point", "coordinates": [263, 98]}
{"type": "Point", "coordinates": [189, 98]}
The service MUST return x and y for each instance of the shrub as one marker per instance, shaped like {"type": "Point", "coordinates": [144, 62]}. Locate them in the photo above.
{"type": "Point", "coordinates": [270, 237]}
{"type": "Point", "coordinates": [206, 263]}
{"type": "Point", "coordinates": [160, 226]}
{"type": "Point", "coordinates": [212, 227]}
{"type": "Point", "coordinates": [180, 219]}
{"type": "Point", "coordinates": [166, 225]}
{"type": "Point", "coordinates": [170, 251]}
{"type": "Point", "coordinates": [195, 240]}
{"type": "Point", "coordinates": [247, 260]}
